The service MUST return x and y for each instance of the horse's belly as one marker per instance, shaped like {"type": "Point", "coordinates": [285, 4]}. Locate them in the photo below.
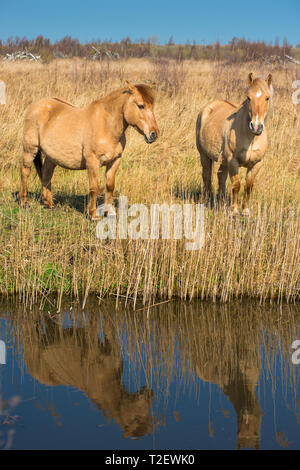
{"type": "Point", "coordinates": [61, 139]}
{"type": "Point", "coordinates": [211, 142]}
{"type": "Point", "coordinates": [68, 156]}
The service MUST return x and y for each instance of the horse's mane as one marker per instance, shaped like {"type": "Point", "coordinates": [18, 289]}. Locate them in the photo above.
{"type": "Point", "coordinates": [147, 93]}
{"type": "Point", "coordinates": [231, 104]}
{"type": "Point", "coordinates": [145, 90]}
{"type": "Point", "coordinates": [64, 102]}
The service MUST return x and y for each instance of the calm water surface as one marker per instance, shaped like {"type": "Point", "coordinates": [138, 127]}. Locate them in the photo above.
{"type": "Point", "coordinates": [188, 376]}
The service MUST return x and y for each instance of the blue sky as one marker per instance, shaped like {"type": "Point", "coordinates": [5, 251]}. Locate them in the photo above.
{"type": "Point", "coordinates": [185, 19]}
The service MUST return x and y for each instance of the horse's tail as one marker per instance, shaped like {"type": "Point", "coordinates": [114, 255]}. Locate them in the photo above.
{"type": "Point", "coordinates": [198, 127]}
{"type": "Point", "coordinates": [38, 164]}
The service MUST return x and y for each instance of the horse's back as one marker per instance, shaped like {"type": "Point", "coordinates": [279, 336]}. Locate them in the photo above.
{"type": "Point", "coordinates": [45, 109]}
{"type": "Point", "coordinates": [210, 127]}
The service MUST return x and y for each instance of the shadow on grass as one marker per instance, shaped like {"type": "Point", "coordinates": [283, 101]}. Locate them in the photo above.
{"type": "Point", "coordinates": [31, 196]}
{"type": "Point", "coordinates": [63, 201]}
{"type": "Point", "coordinates": [77, 202]}
{"type": "Point", "coordinates": [198, 197]}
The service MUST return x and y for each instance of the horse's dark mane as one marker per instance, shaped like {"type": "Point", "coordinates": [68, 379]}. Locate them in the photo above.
{"type": "Point", "coordinates": [145, 90]}
{"type": "Point", "coordinates": [64, 102]}
{"type": "Point", "coordinates": [231, 104]}
{"type": "Point", "coordinates": [147, 93]}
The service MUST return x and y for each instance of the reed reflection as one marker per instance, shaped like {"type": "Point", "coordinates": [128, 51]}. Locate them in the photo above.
{"type": "Point", "coordinates": [185, 344]}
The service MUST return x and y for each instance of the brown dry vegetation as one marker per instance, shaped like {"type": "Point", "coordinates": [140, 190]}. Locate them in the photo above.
{"type": "Point", "coordinates": [42, 252]}
{"type": "Point", "coordinates": [237, 50]}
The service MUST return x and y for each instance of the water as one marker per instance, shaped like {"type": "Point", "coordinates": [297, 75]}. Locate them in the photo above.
{"type": "Point", "coordinates": [188, 376]}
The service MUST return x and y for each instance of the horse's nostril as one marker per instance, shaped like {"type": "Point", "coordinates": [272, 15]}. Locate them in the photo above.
{"type": "Point", "coordinates": [153, 135]}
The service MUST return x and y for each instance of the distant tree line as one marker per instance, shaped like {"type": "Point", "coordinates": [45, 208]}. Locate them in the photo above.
{"type": "Point", "coordinates": [237, 50]}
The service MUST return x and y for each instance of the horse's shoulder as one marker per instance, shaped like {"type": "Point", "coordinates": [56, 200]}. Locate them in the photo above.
{"type": "Point", "coordinates": [219, 107]}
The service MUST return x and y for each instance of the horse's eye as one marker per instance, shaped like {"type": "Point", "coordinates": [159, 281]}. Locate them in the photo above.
{"type": "Point", "coordinates": [248, 99]}
{"type": "Point", "coordinates": [141, 106]}
{"type": "Point", "coordinates": [267, 98]}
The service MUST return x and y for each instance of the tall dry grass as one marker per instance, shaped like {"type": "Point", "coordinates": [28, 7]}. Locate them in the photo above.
{"type": "Point", "coordinates": [44, 252]}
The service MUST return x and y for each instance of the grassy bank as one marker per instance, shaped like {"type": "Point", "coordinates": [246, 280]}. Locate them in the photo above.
{"type": "Point", "coordinates": [44, 252]}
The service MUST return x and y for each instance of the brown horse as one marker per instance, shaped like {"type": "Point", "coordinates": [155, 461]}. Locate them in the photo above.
{"type": "Point", "coordinates": [79, 139]}
{"type": "Point", "coordinates": [236, 135]}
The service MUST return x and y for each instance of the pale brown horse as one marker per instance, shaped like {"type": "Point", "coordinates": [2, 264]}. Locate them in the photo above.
{"type": "Point", "coordinates": [79, 139]}
{"type": "Point", "coordinates": [236, 136]}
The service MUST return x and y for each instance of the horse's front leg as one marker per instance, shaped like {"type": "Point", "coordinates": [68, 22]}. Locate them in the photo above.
{"type": "Point", "coordinates": [110, 174]}
{"type": "Point", "coordinates": [93, 173]}
{"type": "Point", "coordinates": [251, 174]}
{"type": "Point", "coordinates": [236, 185]}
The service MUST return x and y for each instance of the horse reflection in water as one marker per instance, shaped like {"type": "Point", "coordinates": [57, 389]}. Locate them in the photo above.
{"type": "Point", "coordinates": [76, 357]}
{"type": "Point", "coordinates": [226, 353]}
{"type": "Point", "coordinates": [239, 387]}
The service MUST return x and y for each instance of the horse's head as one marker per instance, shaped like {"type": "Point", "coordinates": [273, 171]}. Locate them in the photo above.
{"type": "Point", "coordinates": [138, 111]}
{"type": "Point", "coordinates": [258, 101]}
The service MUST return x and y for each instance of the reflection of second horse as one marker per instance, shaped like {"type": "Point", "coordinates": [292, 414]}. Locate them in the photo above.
{"type": "Point", "coordinates": [76, 357]}
{"type": "Point", "coordinates": [239, 387]}
{"type": "Point", "coordinates": [225, 355]}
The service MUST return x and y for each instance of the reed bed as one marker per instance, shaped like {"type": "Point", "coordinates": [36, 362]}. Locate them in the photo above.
{"type": "Point", "coordinates": [45, 252]}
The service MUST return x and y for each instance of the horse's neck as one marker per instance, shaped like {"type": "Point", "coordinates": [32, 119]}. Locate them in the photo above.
{"type": "Point", "coordinates": [242, 115]}
{"type": "Point", "coordinates": [113, 105]}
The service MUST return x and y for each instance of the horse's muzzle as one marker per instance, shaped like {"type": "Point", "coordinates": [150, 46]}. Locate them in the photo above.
{"type": "Point", "coordinates": [256, 129]}
{"type": "Point", "coordinates": [151, 137]}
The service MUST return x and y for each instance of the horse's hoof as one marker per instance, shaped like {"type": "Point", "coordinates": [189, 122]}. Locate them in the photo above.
{"type": "Point", "coordinates": [50, 208]}
{"type": "Point", "coordinates": [235, 212]}
{"type": "Point", "coordinates": [106, 210]}
{"type": "Point", "coordinates": [92, 217]}
{"type": "Point", "coordinates": [246, 212]}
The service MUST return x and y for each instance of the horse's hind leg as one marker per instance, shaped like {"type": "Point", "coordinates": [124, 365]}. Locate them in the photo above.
{"type": "Point", "coordinates": [31, 154]}
{"type": "Point", "coordinates": [25, 169]}
{"type": "Point", "coordinates": [222, 177]}
{"type": "Point", "coordinates": [206, 163]}
{"type": "Point", "coordinates": [47, 173]}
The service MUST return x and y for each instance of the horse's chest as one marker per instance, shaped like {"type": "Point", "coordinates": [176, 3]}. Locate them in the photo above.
{"type": "Point", "coordinates": [107, 151]}
{"type": "Point", "coordinates": [251, 154]}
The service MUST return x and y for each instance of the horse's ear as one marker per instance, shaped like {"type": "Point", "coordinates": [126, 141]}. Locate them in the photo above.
{"type": "Point", "coordinates": [269, 80]}
{"type": "Point", "coordinates": [130, 86]}
{"type": "Point", "coordinates": [250, 78]}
